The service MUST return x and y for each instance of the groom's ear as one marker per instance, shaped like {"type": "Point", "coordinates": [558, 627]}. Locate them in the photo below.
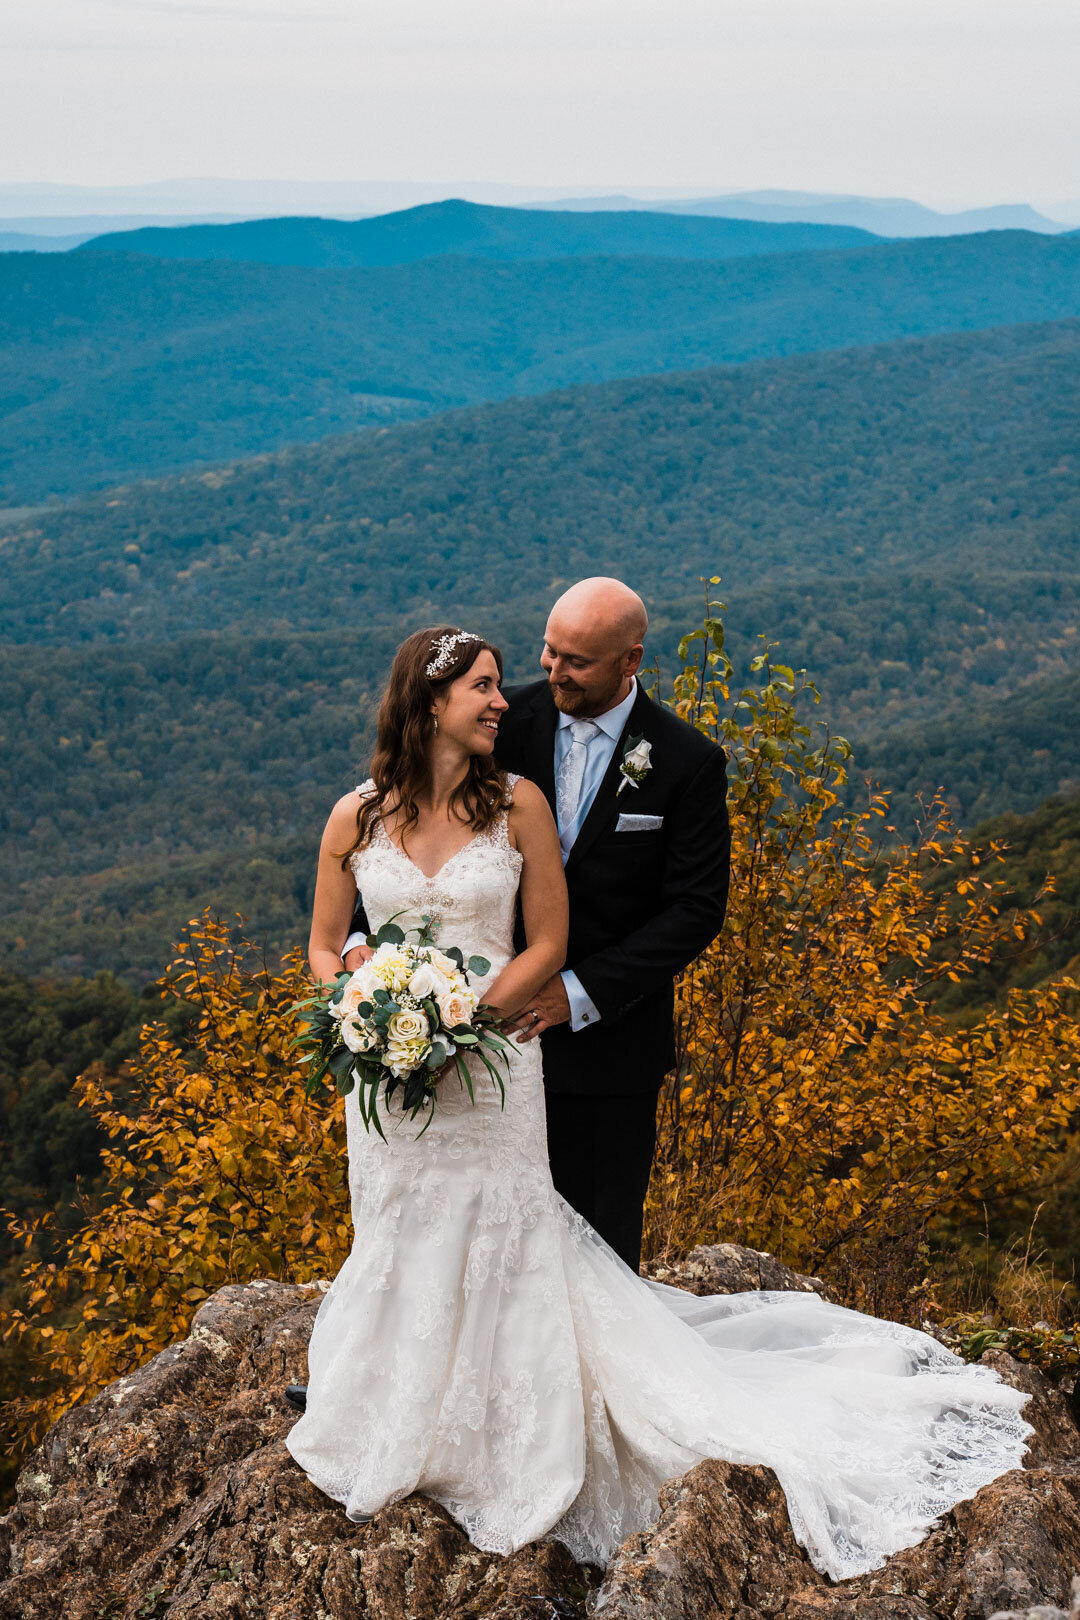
{"type": "Point", "coordinates": [633, 659]}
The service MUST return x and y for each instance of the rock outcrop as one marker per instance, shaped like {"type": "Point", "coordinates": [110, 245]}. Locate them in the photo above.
{"type": "Point", "coordinates": [171, 1494]}
{"type": "Point", "coordinates": [728, 1268]}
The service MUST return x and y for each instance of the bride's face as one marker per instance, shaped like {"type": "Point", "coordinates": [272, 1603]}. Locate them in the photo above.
{"type": "Point", "coordinates": [470, 707]}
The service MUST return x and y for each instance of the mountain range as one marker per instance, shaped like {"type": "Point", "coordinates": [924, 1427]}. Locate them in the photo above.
{"type": "Point", "coordinates": [117, 366]}
{"type": "Point", "coordinates": [475, 230]}
{"type": "Point", "coordinates": [884, 216]}
{"type": "Point", "coordinates": [191, 663]}
{"type": "Point", "coordinates": [193, 199]}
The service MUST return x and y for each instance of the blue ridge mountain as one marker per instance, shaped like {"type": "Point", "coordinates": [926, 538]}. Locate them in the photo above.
{"type": "Point", "coordinates": [119, 366]}
{"type": "Point", "coordinates": [478, 231]}
{"type": "Point", "coordinates": [884, 216]}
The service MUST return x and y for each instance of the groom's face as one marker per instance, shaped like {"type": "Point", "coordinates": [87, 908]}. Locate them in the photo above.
{"type": "Point", "coordinates": [586, 672]}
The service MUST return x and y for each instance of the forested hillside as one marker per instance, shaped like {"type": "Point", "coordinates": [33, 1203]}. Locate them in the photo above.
{"type": "Point", "coordinates": [1016, 751]}
{"type": "Point", "coordinates": [928, 485]}
{"type": "Point", "coordinates": [192, 662]}
{"type": "Point", "coordinates": [148, 782]}
{"type": "Point", "coordinates": [116, 366]}
{"type": "Point", "coordinates": [476, 231]}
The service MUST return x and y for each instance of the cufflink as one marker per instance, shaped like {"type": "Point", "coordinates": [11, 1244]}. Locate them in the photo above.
{"type": "Point", "coordinates": [584, 1018]}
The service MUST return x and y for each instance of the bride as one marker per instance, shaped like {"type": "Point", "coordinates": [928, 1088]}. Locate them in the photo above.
{"type": "Point", "coordinates": [482, 1343]}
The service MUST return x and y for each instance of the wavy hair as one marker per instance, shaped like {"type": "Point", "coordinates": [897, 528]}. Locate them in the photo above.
{"type": "Point", "coordinates": [401, 762]}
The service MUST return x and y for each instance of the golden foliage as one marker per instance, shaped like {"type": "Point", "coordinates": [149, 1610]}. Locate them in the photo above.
{"type": "Point", "coordinates": [821, 1108]}
{"type": "Point", "coordinates": [221, 1173]}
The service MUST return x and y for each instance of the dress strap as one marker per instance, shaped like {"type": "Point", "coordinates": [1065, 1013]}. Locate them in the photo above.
{"type": "Point", "coordinates": [512, 780]}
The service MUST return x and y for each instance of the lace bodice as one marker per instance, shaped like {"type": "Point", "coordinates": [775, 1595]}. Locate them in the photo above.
{"type": "Point", "coordinates": [471, 900]}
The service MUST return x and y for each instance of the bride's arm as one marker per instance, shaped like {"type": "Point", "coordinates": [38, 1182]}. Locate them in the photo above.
{"type": "Point", "coordinates": [335, 891]}
{"type": "Point", "coordinates": [544, 905]}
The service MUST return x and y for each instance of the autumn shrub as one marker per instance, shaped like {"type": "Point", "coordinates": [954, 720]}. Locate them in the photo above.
{"type": "Point", "coordinates": [821, 1109]}
{"type": "Point", "coordinates": [219, 1171]}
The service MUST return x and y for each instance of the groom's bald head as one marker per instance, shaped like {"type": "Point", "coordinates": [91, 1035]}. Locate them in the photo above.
{"type": "Point", "coordinates": [593, 645]}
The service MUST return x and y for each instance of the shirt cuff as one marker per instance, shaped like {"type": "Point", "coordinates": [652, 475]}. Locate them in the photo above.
{"type": "Point", "coordinates": [582, 1010]}
{"type": "Point", "coordinates": [351, 944]}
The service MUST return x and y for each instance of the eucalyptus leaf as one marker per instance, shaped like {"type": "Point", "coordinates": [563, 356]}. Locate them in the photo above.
{"type": "Point", "coordinates": [464, 1075]}
{"type": "Point", "coordinates": [479, 965]}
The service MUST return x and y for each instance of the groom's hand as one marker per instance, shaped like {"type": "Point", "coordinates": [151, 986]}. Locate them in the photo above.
{"type": "Point", "coordinates": [356, 957]}
{"type": "Point", "coordinates": [550, 1005]}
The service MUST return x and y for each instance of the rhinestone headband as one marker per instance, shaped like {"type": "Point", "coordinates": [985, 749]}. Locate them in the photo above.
{"type": "Point", "coordinates": [444, 651]}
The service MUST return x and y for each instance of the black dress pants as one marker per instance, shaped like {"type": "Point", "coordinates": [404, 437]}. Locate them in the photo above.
{"type": "Point", "coordinates": [601, 1151]}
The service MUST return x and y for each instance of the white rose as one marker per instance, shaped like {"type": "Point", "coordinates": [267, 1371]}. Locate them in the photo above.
{"type": "Point", "coordinates": [639, 757]}
{"type": "Point", "coordinates": [402, 1057]}
{"type": "Point", "coordinates": [407, 1025]}
{"type": "Point", "coordinates": [427, 981]}
{"type": "Point", "coordinates": [358, 1037]}
{"type": "Point", "coordinates": [456, 1007]}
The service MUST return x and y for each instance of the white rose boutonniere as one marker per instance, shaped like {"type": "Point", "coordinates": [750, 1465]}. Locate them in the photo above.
{"type": "Point", "coordinates": [636, 763]}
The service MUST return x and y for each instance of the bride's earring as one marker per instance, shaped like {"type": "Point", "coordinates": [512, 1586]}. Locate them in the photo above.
{"type": "Point", "coordinates": [435, 720]}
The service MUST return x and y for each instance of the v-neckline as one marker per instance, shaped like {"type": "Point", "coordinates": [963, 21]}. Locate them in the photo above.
{"type": "Point", "coordinates": [429, 877]}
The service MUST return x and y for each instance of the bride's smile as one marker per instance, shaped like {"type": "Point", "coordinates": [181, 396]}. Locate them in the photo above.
{"type": "Point", "coordinates": [468, 712]}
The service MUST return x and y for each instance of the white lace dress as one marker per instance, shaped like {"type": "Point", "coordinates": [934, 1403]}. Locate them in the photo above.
{"type": "Point", "coordinates": [482, 1343]}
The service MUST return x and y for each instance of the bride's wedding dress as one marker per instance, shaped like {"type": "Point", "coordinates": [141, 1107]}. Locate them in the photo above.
{"type": "Point", "coordinates": [484, 1345]}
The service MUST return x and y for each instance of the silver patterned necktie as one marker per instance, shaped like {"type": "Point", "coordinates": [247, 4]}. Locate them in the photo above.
{"type": "Point", "coordinates": [572, 772]}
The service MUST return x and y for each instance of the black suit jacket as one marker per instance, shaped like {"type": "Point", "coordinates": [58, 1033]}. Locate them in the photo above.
{"type": "Point", "coordinates": [642, 904]}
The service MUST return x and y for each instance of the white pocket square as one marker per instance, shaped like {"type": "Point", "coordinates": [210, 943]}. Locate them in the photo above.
{"type": "Point", "coordinates": [638, 823]}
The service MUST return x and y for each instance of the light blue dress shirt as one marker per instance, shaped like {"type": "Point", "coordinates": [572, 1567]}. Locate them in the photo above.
{"type": "Point", "coordinates": [612, 724]}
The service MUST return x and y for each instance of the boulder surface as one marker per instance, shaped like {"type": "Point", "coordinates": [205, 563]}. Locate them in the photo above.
{"type": "Point", "coordinates": [172, 1494]}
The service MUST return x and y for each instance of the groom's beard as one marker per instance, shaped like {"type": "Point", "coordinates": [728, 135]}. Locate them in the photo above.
{"type": "Point", "coordinates": [582, 703]}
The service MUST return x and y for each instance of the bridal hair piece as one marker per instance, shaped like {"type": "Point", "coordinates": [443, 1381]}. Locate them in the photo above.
{"type": "Point", "coordinates": [443, 650]}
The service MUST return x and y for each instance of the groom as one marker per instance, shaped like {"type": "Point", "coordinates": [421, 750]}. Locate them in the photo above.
{"type": "Point", "coordinates": [640, 801]}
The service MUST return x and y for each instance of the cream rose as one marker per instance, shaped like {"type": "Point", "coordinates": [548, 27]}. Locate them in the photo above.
{"type": "Point", "coordinates": [358, 1037]}
{"type": "Point", "coordinates": [639, 757]}
{"type": "Point", "coordinates": [456, 1007]}
{"type": "Point", "coordinates": [427, 981]}
{"type": "Point", "coordinates": [410, 1024]}
{"type": "Point", "coordinates": [358, 989]}
{"type": "Point", "coordinates": [448, 966]}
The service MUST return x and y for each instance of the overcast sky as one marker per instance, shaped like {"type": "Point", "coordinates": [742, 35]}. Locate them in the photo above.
{"type": "Point", "coordinates": [951, 101]}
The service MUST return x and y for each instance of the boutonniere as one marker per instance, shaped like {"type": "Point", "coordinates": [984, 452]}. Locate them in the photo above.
{"type": "Point", "coordinates": [635, 764]}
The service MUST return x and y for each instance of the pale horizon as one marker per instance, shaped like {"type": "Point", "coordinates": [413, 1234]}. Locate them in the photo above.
{"type": "Point", "coordinates": [953, 103]}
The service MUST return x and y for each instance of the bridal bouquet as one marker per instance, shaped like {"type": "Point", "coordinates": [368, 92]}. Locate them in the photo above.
{"type": "Point", "coordinates": [396, 1022]}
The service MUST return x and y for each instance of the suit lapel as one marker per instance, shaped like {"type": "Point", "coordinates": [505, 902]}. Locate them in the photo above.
{"type": "Point", "coordinates": [602, 807]}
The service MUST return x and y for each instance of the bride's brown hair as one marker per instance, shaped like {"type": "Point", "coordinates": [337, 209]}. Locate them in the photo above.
{"type": "Point", "coordinates": [400, 764]}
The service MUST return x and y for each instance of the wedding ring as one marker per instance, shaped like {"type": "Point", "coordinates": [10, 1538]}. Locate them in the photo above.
{"type": "Point", "coordinates": [536, 1016]}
